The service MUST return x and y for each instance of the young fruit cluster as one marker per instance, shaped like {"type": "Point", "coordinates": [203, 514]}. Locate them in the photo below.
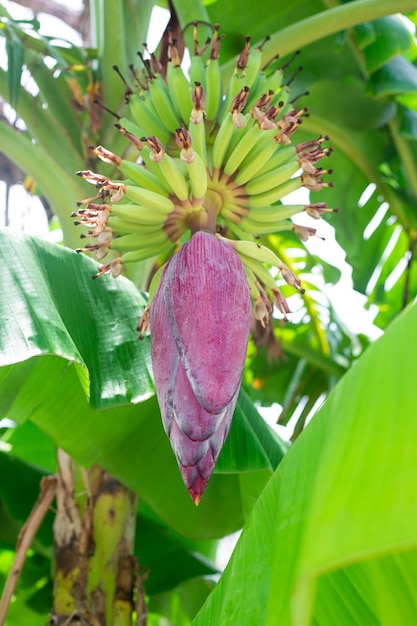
{"type": "Point", "coordinates": [213, 165]}
{"type": "Point", "coordinates": [207, 159]}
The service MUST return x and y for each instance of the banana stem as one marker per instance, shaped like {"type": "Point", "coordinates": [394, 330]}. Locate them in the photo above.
{"type": "Point", "coordinates": [212, 205]}
{"type": "Point", "coordinates": [95, 570]}
{"type": "Point", "coordinates": [297, 36]}
{"type": "Point", "coordinates": [189, 11]}
{"type": "Point", "coordinates": [111, 573]}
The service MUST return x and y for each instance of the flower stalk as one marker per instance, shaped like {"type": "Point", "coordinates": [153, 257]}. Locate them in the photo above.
{"type": "Point", "coordinates": [211, 169]}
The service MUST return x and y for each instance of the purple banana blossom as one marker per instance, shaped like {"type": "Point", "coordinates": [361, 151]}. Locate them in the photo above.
{"type": "Point", "coordinates": [200, 320]}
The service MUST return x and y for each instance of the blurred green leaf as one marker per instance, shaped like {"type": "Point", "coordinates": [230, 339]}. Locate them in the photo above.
{"type": "Point", "coordinates": [399, 76]}
{"type": "Point", "coordinates": [382, 40]}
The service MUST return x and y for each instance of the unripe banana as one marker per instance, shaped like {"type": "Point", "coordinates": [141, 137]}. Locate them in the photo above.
{"type": "Point", "coordinates": [198, 176]}
{"type": "Point", "coordinates": [222, 140]}
{"type": "Point", "coordinates": [254, 66]}
{"type": "Point", "coordinates": [140, 175]}
{"type": "Point", "coordinates": [197, 70]}
{"type": "Point", "coordinates": [174, 175]}
{"type": "Point", "coordinates": [138, 214]}
{"type": "Point", "coordinates": [163, 103]}
{"type": "Point", "coordinates": [131, 127]}
{"type": "Point", "coordinates": [262, 151]}
{"type": "Point", "coordinates": [140, 240]}
{"type": "Point", "coordinates": [164, 187]}
{"type": "Point", "coordinates": [141, 254]}
{"type": "Point", "coordinates": [198, 138]}
{"type": "Point", "coordinates": [256, 251]}
{"type": "Point", "coordinates": [148, 198]}
{"type": "Point", "coordinates": [258, 269]}
{"type": "Point", "coordinates": [242, 148]}
{"type": "Point", "coordinates": [274, 83]}
{"type": "Point", "coordinates": [213, 88]}
{"type": "Point", "coordinates": [281, 156]}
{"type": "Point", "coordinates": [238, 232]}
{"type": "Point", "coordinates": [250, 225]}
{"type": "Point", "coordinates": [124, 227]}
{"type": "Point", "coordinates": [145, 117]}
{"type": "Point", "coordinates": [269, 197]}
{"type": "Point", "coordinates": [274, 213]}
{"type": "Point", "coordinates": [254, 291]}
{"type": "Point", "coordinates": [179, 89]}
{"type": "Point", "coordinates": [236, 83]}
{"type": "Point", "coordinates": [272, 179]}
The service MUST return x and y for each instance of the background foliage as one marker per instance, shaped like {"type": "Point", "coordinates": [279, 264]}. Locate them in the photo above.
{"type": "Point", "coordinates": [334, 525]}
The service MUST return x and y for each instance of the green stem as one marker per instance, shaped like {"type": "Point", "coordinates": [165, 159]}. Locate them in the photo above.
{"type": "Point", "coordinates": [111, 576]}
{"type": "Point", "coordinates": [108, 25]}
{"type": "Point", "coordinates": [326, 23]}
{"type": "Point", "coordinates": [189, 11]}
{"type": "Point", "coordinates": [61, 191]}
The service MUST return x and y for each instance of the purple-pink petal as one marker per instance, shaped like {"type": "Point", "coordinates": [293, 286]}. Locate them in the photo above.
{"type": "Point", "coordinates": [200, 319]}
{"type": "Point", "coordinates": [208, 305]}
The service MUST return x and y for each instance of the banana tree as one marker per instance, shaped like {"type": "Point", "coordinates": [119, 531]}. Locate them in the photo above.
{"type": "Point", "coordinates": [214, 151]}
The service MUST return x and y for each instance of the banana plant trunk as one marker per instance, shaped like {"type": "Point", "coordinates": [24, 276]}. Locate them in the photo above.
{"type": "Point", "coordinates": [96, 579]}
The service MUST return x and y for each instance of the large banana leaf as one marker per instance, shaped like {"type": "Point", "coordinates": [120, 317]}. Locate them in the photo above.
{"type": "Point", "coordinates": [58, 329]}
{"type": "Point", "coordinates": [333, 538]}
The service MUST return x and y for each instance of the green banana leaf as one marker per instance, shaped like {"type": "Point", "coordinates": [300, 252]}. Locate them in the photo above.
{"type": "Point", "coordinates": [333, 538]}
{"type": "Point", "coordinates": [65, 338]}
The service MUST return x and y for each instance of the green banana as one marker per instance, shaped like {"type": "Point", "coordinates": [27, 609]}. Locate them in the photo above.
{"type": "Point", "coordinates": [262, 151]}
{"type": "Point", "coordinates": [179, 89]}
{"type": "Point", "coordinates": [145, 116]}
{"type": "Point", "coordinates": [274, 213]}
{"type": "Point", "coordinates": [174, 175]}
{"type": "Point", "coordinates": [122, 226]}
{"type": "Point", "coordinates": [148, 198]}
{"type": "Point", "coordinates": [197, 173]}
{"type": "Point", "coordinates": [281, 156]}
{"type": "Point", "coordinates": [272, 179]}
{"type": "Point", "coordinates": [213, 88]}
{"type": "Point", "coordinates": [238, 232]}
{"type": "Point", "coordinates": [222, 140]}
{"type": "Point", "coordinates": [250, 225]}
{"type": "Point", "coordinates": [254, 291]}
{"type": "Point", "coordinates": [197, 70]}
{"type": "Point", "coordinates": [253, 67]}
{"type": "Point", "coordinates": [236, 84]}
{"type": "Point", "coordinates": [258, 269]}
{"type": "Point", "coordinates": [133, 256]}
{"type": "Point", "coordinates": [162, 102]}
{"type": "Point", "coordinates": [242, 149]}
{"type": "Point", "coordinates": [137, 240]}
{"type": "Point", "coordinates": [198, 138]}
{"type": "Point", "coordinates": [258, 252]}
{"type": "Point", "coordinates": [269, 197]}
{"type": "Point", "coordinates": [138, 214]}
{"type": "Point", "coordinates": [131, 127]}
{"type": "Point", "coordinates": [140, 175]}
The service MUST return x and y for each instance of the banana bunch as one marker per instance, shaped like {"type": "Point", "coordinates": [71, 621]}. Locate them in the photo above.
{"type": "Point", "coordinates": [211, 157]}
{"type": "Point", "coordinates": [208, 167]}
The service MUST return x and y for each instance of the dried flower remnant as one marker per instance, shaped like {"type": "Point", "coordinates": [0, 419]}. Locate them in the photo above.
{"type": "Point", "coordinates": [212, 164]}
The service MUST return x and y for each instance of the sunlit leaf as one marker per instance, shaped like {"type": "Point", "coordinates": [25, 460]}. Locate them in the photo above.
{"type": "Point", "coordinates": [332, 540]}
